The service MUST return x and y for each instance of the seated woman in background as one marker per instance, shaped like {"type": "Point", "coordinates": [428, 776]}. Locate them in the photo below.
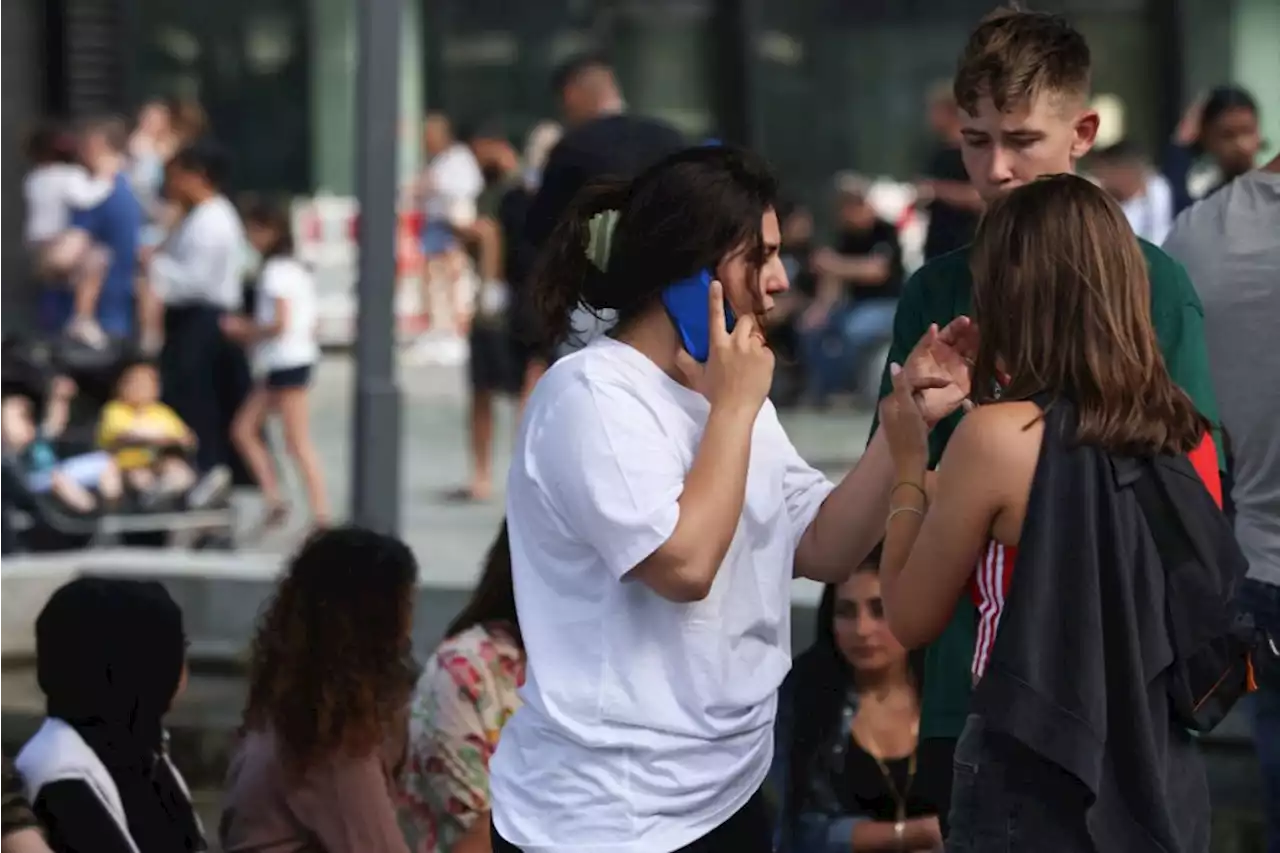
{"type": "Point", "coordinates": [110, 659]}
{"type": "Point", "coordinates": [465, 696]}
{"type": "Point", "coordinates": [329, 683]}
{"type": "Point", "coordinates": [855, 776]}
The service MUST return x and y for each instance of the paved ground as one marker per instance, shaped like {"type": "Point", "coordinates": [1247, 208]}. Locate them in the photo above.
{"type": "Point", "coordinates": [448, 538]}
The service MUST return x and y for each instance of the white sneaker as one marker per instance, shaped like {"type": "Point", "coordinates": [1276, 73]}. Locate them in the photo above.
{"type": "Point", "coordinates": [211, 488]}
{"type": "Point", "coordinates": [449, 351]}
{"type": "Point", "coordinates": [87, 331]}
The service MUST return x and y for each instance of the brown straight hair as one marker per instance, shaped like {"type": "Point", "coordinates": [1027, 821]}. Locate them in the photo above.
{"type": "Point", "coordinates": [1015, 55]}
{"type": "Point", "coordinates": [1063, 301]}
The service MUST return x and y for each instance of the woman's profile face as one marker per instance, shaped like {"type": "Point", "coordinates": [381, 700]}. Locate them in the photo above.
{"type": "Point", "coordinates": [862, 635]}
{"type": "Point", "coordinates": [751, 281]}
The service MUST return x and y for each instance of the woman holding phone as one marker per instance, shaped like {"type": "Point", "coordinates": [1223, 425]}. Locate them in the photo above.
{"type": "Point", "coordinates": [657, 513]}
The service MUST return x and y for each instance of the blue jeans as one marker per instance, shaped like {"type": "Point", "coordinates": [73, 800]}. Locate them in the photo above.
{"type": "Point", "coordinates": [1005, 797]}
{"type": "Point", "coordinates": [1263, 600]}
{"type": "Point", "coordinates": [831, 352]}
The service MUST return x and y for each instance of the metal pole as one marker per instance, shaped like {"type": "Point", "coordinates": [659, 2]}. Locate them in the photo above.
{"type": "Point", "coordinates": [375, 478]}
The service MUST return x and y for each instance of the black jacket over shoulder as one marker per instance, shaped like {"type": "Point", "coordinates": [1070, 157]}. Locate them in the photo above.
{"type": "Point", "coordinates": [1079, 669]}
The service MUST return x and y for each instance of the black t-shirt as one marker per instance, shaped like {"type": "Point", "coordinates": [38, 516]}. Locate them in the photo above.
{"type": "Point", "coordinates": [862, 789]}
{"type": "Point", "coordinates": [513, 207]}
{"type": "Point", "coordinates": [881, 240]}
{"type": "Point", "coordinates": [615, 146]}
{"type": "Point", "coordinates": [949, 227]}
{"type": "Point", "coordinates": [795, 259]}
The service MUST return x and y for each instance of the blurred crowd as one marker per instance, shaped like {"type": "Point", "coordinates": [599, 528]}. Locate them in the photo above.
{"type": "Point", "coordinates": [172, 325]}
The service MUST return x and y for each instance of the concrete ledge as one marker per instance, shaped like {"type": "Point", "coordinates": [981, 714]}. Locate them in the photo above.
{"type": "Point", "coordinates": [221, 595]}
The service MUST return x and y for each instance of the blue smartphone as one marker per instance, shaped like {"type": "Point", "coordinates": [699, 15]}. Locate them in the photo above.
{"type": "Point", "coordinates": [686, 303]}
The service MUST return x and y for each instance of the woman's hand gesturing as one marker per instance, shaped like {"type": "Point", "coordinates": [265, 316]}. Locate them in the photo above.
{"type": "Point", "coordinates": [940, 368]}
{"type": "Point", "coordinates": [903, 424]}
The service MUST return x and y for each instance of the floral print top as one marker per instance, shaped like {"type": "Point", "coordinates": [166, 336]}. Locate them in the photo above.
{"type": "Point", "coordinates": [465, 696]}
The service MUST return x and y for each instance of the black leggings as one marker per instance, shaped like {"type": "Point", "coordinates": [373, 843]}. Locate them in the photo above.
{"type": "Point", "coordinates": [750, 830]}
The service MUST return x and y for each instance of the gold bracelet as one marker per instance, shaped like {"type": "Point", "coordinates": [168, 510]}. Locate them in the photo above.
{"type": "Point", "coordinates": [910, 485]}
{"type": "Point", "coordinates": [895, 510]}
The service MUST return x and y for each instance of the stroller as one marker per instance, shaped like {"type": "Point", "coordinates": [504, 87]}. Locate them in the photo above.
{"type": "Point", "coordinates": [35, 521]}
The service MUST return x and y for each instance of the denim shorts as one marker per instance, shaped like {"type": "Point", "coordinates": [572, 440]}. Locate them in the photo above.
{"type": "Point", "coordinates": [290, 377]}
{"type": "Point", "coordinates": [438, 237]}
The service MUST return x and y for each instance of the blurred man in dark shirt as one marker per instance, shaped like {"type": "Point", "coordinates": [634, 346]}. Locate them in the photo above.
{"type": "Point", "coordinates": [858, 282]}
{"type": "Point", "coordinates": [945, 191]}
{"type": "Point", "coordinates": [601, 139]}
{"type": "Point", "coordinates": [498, 360]}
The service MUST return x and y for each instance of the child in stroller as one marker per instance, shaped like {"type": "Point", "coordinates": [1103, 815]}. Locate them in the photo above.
{"type": "Point", "coordinates": [151, 445]}
{"type": "Point", "coordinates": [82, 483]}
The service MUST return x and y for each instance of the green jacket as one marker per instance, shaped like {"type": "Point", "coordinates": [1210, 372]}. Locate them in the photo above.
{"type": "Point", "coordinates": [938, 293]}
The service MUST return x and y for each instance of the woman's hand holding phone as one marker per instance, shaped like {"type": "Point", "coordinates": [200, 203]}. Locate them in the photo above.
{"type": "Point", "coordinates": [739, 369]}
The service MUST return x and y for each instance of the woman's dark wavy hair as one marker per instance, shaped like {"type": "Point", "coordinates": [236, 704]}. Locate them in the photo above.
{"type": "Point", "coordinates": [332, 667]}
{"type": "Point", "coordinates": [819, 682]}
{"type": "Point", "coordinates": [494, 599]}
{"type": "Point", "coordinates": [683, 214]}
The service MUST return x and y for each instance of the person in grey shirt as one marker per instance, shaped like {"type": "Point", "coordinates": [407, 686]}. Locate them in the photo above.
{"type": "Point", "coordinates": [1230, 245]}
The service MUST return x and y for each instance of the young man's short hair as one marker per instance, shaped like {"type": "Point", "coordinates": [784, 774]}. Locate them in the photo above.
{"type": "Point", "coordinates": [1015, 55]}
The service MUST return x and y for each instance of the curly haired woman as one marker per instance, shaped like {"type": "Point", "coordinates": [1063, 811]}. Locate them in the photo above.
{"type": "Point", "coordinates": [329, 687]}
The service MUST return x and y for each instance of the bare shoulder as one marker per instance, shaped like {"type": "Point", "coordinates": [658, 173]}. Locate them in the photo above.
{"type": "Point", "coordinates": [1000, 432]}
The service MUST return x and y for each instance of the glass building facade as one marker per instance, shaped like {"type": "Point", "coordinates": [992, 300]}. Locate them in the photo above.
{"type": "Point", "coordinates": [818, 85]}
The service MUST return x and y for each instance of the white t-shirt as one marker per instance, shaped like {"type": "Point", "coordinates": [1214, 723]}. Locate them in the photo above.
{"type": "Point", "coordinates": [1151, 213]}
{"type": "Point", "coordinates": [647, 723]}
{"type": "Point", "coordinates": [454, 181]}
{"type": "Point", "coordinates": [203, 260]}
{"type": "Point", "coordinates": [288, 279]}
{"type": "Point", "coordinates": [53, 191]}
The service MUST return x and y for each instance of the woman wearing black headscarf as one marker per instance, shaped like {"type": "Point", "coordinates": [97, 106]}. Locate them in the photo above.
{"type": "Point", "coordinates": [111, 657]}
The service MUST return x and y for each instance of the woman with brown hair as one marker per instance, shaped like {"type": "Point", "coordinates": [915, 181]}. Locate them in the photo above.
{"type": "Point", "coordinates": [465, 696]}
{"type": "Point", "coordinates": [329, 681]}
{"type": "Point", "coordinates": [1070, 743]}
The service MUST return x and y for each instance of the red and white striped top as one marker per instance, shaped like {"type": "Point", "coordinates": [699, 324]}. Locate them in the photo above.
{"type": "Point", "coordinates": [989, 587]}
